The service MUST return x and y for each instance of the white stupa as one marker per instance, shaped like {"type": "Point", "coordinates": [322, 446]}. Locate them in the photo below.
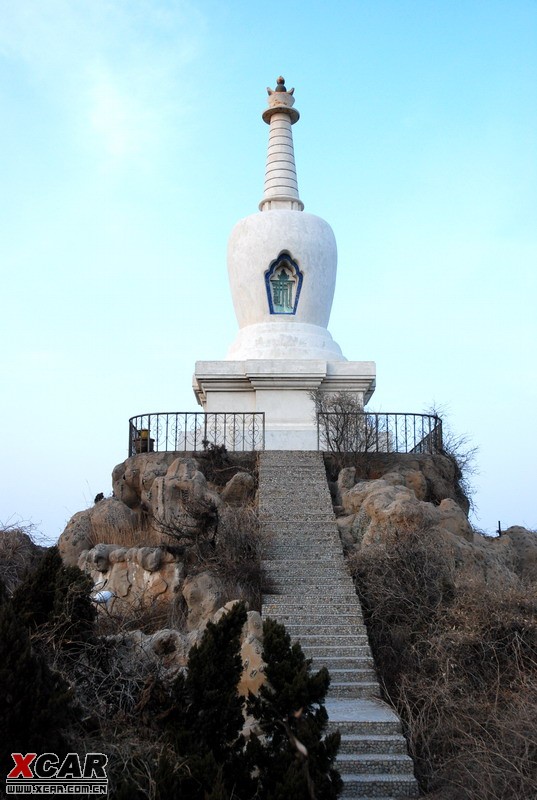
{"type": "Point", "coordinates": [282, 265]}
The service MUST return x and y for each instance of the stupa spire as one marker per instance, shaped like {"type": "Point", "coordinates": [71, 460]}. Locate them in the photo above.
{"type": "Point", "coordinates": [281, 186]}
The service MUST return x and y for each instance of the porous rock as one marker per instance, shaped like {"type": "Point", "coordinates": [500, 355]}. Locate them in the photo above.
{"type": "Point", "coordinates": [239, 489]}
{"type": "Point", "coordinates": [76, 538]}
{"type": "Point", "coordinates": [88, 527]}
{"type": "Point", "coordinates": [377, 510]}
{"type": "Point", "coordinates": [203, 594]}
{"type": "Point", "coordinates": [137, 577]}
{"type": "Point", "coordinates": [253, 666]}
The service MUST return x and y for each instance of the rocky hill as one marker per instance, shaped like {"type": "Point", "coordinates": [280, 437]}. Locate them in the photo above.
{"type": "Point", "coordinates": [451, 614]}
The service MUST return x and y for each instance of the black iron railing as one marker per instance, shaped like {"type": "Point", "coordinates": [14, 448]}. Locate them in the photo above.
{"type": "Point", "coordinates": [180, 431]}
{"type": "Point", "coordinates": [365, 432]}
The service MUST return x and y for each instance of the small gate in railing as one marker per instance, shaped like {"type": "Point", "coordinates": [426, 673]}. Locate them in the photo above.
{"type": "Point", "coordinates": [370, 432]}
{"type": "Point", "coordinates": [183, 431]}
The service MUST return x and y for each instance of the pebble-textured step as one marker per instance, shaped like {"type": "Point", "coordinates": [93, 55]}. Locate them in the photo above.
{"type": "Point", "coordinates": [309, 589]}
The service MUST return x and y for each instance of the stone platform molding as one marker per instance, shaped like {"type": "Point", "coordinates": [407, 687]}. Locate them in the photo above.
{"type": "Point", "coordinates": [314, 597]}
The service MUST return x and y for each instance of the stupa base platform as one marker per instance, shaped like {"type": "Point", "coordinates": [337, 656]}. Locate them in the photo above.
{"type": "Point", "coordinates": [282, 390]}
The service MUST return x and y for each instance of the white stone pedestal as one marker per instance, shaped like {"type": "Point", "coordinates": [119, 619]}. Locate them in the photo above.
{"type": "Point", "coordinates": [281, 389]}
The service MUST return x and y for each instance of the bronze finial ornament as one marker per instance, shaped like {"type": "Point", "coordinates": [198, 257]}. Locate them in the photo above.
{"type": "Point", "coordinates": [280, 87]}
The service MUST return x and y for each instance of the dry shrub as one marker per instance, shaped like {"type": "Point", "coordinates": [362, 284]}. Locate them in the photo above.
{"type": "Point", "coordinates": [225, 541]}
{"type": "Point", "coordinates": [459, 662]}
{"type": "Point", "coordinates": [139, 614]}
{"type": "Point", "coordinates": [19, 553]}
{"type": "Point", "coordinates": [219, 465]}
{"type": "Point", "coordinates": [237, 554]}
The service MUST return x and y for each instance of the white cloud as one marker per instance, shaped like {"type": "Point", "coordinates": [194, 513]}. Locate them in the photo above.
{"type": "Point", "coordinates": [120, 121]}
{"type": "Point", "coordinates": [113, 69]}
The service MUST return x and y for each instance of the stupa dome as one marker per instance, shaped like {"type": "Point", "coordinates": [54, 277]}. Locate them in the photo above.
{"type": "Point", "coordinates": [282, 262]}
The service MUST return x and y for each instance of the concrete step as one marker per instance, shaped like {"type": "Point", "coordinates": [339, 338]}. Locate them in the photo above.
{"type": "Point", "coordinates": [327, 593]}
{"type": "Point", "coordinates": [345, 581]}
{"type": "Point", "coordinates": [285, 522]}
{"type": "Point", "coordinates": [332, 662]}
{"type": "Point", "coordinates": [306, 510]}
{"type": "Point", "coordinates": [362, 717]}
{"type": "Point", "coordinates": [386, 763]}
{"type": "Point", "coordinates": [287, 571]}
{"type": "Point", "coordinates": [288, 518]}
{"type": "Point", "coordinates": [308, 489]}
{"type": "Point", "coordinates": [297, 456]}
{"type": "Point", "coordinates": [344, 602]}
{"type": "Point", "coordinates": [305, 576]}
{"type": "Point", "coordinates": [300, 567]}
{"type": "Point", "coordinates": [295, 552]}
{"type": "Point", "coordinates": [314, 587]}
{"type": "Point", "coordinates": [307, 560]}
{"type": "Point", "coordinates": [304, 490]}
{"type": "Point", "coordinates": [305, 535]}
{"type": "Point", "coordinates": [352, 674]}
{"type": "Point", "coordinates": [295, 548]}
{"type": "Point", "coordinates": [306, 557]}
{"type": "Point", "coordinates": [364, 664]}
{"type": "Point", "coordinates": [271, 464]}
{"type": "Point", "coordinates": [289, 619]}
{"type": "Point", "coordinates": [301, 528]}
{"type": "Point", "coordinates": [365, 727]}
{"type": "Point", "coordinates": [329, 638]}
{"type": "Point", "coordinates": [303, 539]}
{"type": "Point", "coordinates": [354, 689]}
{"type": "Point", "coordinates": [353, 743]}
{"type": "Point", "coordinates": [328, 650]}
{"type": "Point", "coordinates": [336, 628]}
{"type": "Point", "coordinates": [379, 786]}
{"type": "Point", "coordinates": [321, 617]}
{"type": "Point", "coordinates": [326, 604]}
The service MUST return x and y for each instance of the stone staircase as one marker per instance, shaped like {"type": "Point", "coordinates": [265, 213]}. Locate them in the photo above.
{"type": "Point", "coordinates": [312, 593]}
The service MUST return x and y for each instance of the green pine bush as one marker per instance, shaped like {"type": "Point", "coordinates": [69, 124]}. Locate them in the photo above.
{"type": "Point", "coordinates": [58, 598]}
{"type": "Point", "coordinates": [294, 758]}
{"type": "Point", "coordinates": [205, 721]}
{"type": "Point", "coordinates": [33, 599]}
{"type": "Point", "coordinates": [36, 701]}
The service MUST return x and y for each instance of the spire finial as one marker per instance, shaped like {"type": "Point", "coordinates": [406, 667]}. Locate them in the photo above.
{"type": "Point", "coordinates": [281, 99]}
{"type": "Point", "coordinates": [281, 187]}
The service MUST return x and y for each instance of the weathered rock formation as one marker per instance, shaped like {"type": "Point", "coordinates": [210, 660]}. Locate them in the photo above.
{"type": "Point", "coordinates": [418, 492]}
{"type": "Point", "coordinates": [136, 577]}
{"type": "Point", "coordinates": [152, 493]}
{"type": "Point", "coordinates": [432, 478]}
{"type": "Point", "coordinates": [155, 496]}
{"type": "Point", "coordinates": [106, 521]}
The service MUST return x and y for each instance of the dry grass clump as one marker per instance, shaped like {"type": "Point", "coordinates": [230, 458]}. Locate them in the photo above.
{"type": "Point", "coordinates": [140, 534]}
{"type": "Point", "coordinates": [219, 466]}
{"type": "Point", "coordinates": [143, 613]}
{"type": "Point", "coordinates": [237, 555]}
{"type": "Point", "coordinates": [230, 547]}
{"type": "Point", "coordinates": [460, 665]}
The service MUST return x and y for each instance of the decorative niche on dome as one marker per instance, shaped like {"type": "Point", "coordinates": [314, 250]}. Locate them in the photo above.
{"type": "Point", "coordinates": [283, 281]}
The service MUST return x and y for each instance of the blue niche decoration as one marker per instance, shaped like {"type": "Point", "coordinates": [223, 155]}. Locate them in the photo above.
{"type": "Point", "coordinates": [283, 282]}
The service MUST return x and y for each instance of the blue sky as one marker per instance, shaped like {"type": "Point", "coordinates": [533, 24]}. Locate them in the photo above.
{"type": "Point", "coordinates": [132, 142]}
